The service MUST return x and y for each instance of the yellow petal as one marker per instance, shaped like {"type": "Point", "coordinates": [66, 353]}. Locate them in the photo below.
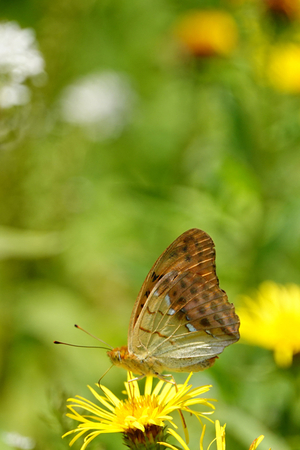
{"type": "Point", "coordinates": [256, 442]}
{"type": "Point", "coordinates": [202, 437]}
{"type": "Point", "coordinates": [157, 388]}
{"type": "Point", "coordinates": [168, 445]}
{"type": "Point", "coordinates": [220, 435]}
{"type": "Point", "coordinates": [148, 386]}
{"type": "Point", "coordinates": [179, 438]}
{"type": "Point", "coordinates": [138, 425]}
{"type": "Point", "coordinates": [108, 394]}
{"type": "Point", "coordinates": [80, 433]}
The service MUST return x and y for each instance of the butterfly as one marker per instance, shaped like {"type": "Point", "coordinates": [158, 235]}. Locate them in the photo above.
{"type": "Point", "coordinates": [181, 319]}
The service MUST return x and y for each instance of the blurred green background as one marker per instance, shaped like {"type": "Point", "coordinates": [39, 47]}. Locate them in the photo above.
{"type": "Point", "coordinates": [128, 137]}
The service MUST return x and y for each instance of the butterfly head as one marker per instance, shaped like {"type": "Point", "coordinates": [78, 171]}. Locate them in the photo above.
{"type": "Point", "coordinates": [117, 354]}
{"type": "Point", "coordinates": [122, 357]}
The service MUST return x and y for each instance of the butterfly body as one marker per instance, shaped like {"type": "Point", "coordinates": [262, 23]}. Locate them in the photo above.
{"type": "Point", "coordinates": [150, 365]}
{"type": "Point", "coordinates": [181, 319]}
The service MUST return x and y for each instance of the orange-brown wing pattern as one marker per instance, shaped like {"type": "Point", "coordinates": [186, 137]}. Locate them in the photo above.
{"type": "Point", "coordinates": [192, 249]}
{"type": "Point", "coordinates": [181, 312]}
{"type": "Point", "coordinates": [187, 316]}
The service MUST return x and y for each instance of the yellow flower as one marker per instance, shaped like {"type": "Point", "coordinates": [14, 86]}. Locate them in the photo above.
{"type": "Point", "coordinates": [220, 438]}
{"type": "Point", "coordinates": [272, 320]}
{"type": "Point", "coordinates": [283, 69]}
{"type": "Point", "coordinates": [141, 418]}
{"type": "Point", "coordinates": [207, 33]}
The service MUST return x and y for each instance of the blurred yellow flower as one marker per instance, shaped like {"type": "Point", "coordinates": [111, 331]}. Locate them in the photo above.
{"type": "Point", "coordinates": [283, 69]}
{"type": "Point", "coordinates": [221, 441]}
{"type": "Point", "coordinates": [141, 418]}
{"type": "Point", "coordinates": [207, 33]}
{"type": "Point", "coordinates": [272, 320]}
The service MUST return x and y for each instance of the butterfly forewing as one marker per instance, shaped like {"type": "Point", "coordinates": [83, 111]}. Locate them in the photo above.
{"type": "Point", "coordinates": [181, 312]}
{"type": "Point", "coordinates": [194, 248]}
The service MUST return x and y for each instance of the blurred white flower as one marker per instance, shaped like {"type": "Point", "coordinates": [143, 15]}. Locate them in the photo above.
{"type": "Point", "coordinates": [19, 59]}
{"type": "Point", "coordinates": [101, 103]}
{"type": "Point", "coordinates": [14, 94]}
{"type": "Point", "coordinates": [16, 440]}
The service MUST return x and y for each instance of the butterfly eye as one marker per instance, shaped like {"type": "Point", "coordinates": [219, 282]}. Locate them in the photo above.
{"type": "Point", "coordinates": [119, 355]}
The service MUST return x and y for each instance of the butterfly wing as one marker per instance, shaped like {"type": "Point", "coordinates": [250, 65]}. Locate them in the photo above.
{"type": "Point", "coordinates": [178, 256]}
{"type": "Point", "coordinates": [182, 317]}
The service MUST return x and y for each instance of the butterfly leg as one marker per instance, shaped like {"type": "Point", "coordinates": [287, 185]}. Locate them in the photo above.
{"type": "Point", "coordinates": [137, 378]}
{"type": "Point", "coordinates": [102, 376]}
{"type": "Point", "coordinates": [164, 378]}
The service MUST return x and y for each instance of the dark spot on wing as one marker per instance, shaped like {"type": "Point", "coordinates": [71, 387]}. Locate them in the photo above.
{"type": "Point", "coordinates": [214, 306]}
{"type": "Point", "coordinates": [193, 290]}
{"type": "Point", "coordinates": [205, 322]}
{"type": "Point", "coordinates": [154, 276]}
{"type": "Point", "coordinates": [147, 293]}
{"type": "Point", "coordinates": [219, 319]}
{"type": "Point", "coordinates": [188, 258]}
{"type": "Point", "coordinates": [181, 300]}
{"type": "Point", "coordinates": [202, 310]}
{"type": "Point", "coordinates": [182, 284]}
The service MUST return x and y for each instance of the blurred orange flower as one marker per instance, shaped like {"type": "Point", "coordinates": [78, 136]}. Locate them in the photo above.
{"type": "Point", "coordinates": [288, 8]}
{"type": "Point", "coordinates": [207, 33]}
{"type": "Point", "coordinates": [283, 69]}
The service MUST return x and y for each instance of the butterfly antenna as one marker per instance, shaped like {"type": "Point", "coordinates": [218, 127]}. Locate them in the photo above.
{"type": "Point", "coordinates": [95, 337]}
{"type": "Point", "coordinates": [81, 346]}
